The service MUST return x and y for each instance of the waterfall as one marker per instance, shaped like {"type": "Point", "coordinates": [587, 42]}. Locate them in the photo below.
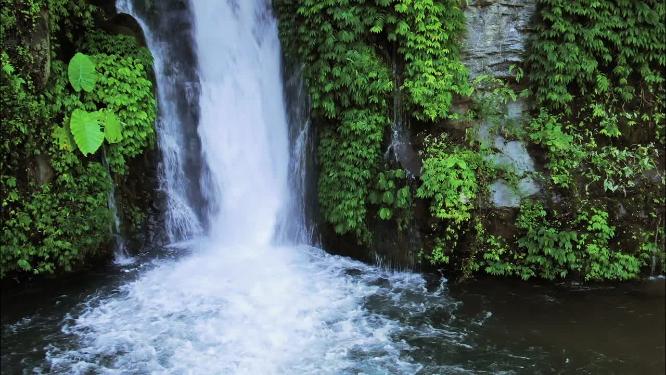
{"type": "Point", "coordinates": [297, 222]}
{"type": "Point", "coordinates": [401, 147]}
{"type": "Point", "coordinates": [249, 296]}
{"type": "Point", "coordinates": [243, 123]}
{"type": "Point", "coordinates": [120, 255]}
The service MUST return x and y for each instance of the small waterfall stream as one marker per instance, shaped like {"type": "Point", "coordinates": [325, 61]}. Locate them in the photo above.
{"type": "Point", "coordinates": [167, 28]}
{"type": "Point", "coordinates": [120, 255]}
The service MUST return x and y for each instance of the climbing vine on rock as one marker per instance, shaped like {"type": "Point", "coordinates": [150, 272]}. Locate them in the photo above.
{"type": "Point", "coordinates": [353, 53]}
{"type": "Point", "coordinates": [596, 71]}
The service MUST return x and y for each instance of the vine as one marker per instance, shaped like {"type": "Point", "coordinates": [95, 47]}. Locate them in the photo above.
{"type": "Point", "coordinates": [349, 49]}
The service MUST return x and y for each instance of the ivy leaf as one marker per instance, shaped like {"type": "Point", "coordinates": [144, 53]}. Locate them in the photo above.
{"type": "Point", "coordinates": [81, 73]}
{"type": "Point", "coordinates": [86, 131]}
{"type": "Point", "coordinates": [112, 127]}
{"type": "Point", "coordinates": [62, 138]}
{"type": "Point", "coordinates": [24, 265]}
{"type": "Point", "coordinates": [385, 213]}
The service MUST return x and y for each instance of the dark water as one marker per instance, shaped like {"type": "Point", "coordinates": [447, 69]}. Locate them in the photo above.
{"type": "Point", "coordinates": [488, 326]}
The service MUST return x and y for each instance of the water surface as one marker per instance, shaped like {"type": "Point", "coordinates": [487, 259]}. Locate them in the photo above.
{"type": "Point", "coordinates": [316, 313]}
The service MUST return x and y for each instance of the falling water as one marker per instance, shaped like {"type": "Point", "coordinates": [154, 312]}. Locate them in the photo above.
{"type": "Point", "coordinates": [296, 223]}
{"type": "Point", "coordinates": [120, 255]}
{"type": "Point", "coordinates": [243, 123]}
{"type": "Point", "coordinates": [400, 147]}
{"type": "Point", "coordinates": [167, 33]}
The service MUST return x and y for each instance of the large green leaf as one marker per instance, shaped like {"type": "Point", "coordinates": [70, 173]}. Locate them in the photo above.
{"type": "Point", "coordinates": [86, 131]}
{"type": "Point", "coordinates": [81, 72]}
{"type": "Point", "coordinates": [112, 127]}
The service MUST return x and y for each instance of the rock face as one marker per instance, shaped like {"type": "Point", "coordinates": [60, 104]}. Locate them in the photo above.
{"type": "Point", "coordinates": [509, 155]}
{"type": "Point", "coordinates": [40, 48]}
{"type": "Point", "coordinates": [497, 31]}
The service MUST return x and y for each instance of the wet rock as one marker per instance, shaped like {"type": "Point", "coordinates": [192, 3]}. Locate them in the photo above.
{"type": "Point", "coordinates": [528, 187]}
{"type": "Point", "coordinates": [497, 31]}
{"type": "Point", "coordinates": [40, 48]}
{"type": "Point", "coordinates": [503, 195]}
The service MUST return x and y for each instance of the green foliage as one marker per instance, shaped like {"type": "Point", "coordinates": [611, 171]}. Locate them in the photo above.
{"type": "Point", "coordinates": [554, 248]}
{"type": "Point", "coordinates": [428, 35]}
{"type": "Point", "coordinates": [440, 253]}
{"type": "Point", "coordinates": [564, 150]}
{"type": "Point", "coordinates": [123, 99]}
{"type": "Point", "coordinates": [112, 127]}
{"type": "Point", "coordinates": [56, 221]}
{"type": "Point", "coordinates": [390, 193]}
{"type": "Point", "coordinates": [572, 155]}
{"type": "Point", "coordinates": [86, 131]}
{"type": "Point", "coordinates": [596, 71]}
{"type": "Point", "coordinates": [124, 89]}
{"type": "Point", "coordinates": [342, 70]}
{"type": "Point", "coordinates": [356, 55]}
{"type": "Point", "coordinates": [550, 250]}
{"type": "Point", "coordinates": [349, 157]}
{"type": "Point", "coordinates": [63, 138]}
{"type": "Point", "coordinates": [498, 258]}
{"type": "Point", "coordinates": [58, 225]}
{"type": "Point", "coordinates": [81, 73]}
{"type": "Point", "coordinates": [333, 39]}
{"type": "Point", "coordinates": [603, 51]}
{"type": "Point", "coordinates": [491, 95]}
{"type": "Point", "coordinates": [449, 179]}
{"type": "Point", "coordinates": [85, 128]}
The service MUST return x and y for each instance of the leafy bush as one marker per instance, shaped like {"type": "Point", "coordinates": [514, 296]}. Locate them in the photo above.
{"type": "Point", "coordinates": [349, 156]}
{"type": "Point", "coordinates": [554, 248]}
{"type": "Point", "coordinates": [449, 181]}
{"type": "Point", "coordinates": [54, 200]}
{"type": "Point", "coordinates": [355, 55]}
{"type": "Point", "coordinates": [391, 193]}
{"type": "Point", "coordinates": [428, 34]}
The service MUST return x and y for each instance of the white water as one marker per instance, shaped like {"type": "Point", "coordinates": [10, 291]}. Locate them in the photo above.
{"type": "Point", "coordinates": [241, 303]}
{"type": "Point", "coordinates": [120, 255]}
{"type": "Point", "coordinates": [243, 125]}
{"type": "Point", "coordinates": [181, 222]}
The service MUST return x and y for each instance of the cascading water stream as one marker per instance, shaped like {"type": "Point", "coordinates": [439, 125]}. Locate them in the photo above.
{"type": "Point", "coordinates": [243, 124]}
{"type": "Point", "coordinates": [120, 255]}
{"type": "Point", "coordinates": [177, 91]}
{"type": "Point", "coordinates": [296, 225]}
